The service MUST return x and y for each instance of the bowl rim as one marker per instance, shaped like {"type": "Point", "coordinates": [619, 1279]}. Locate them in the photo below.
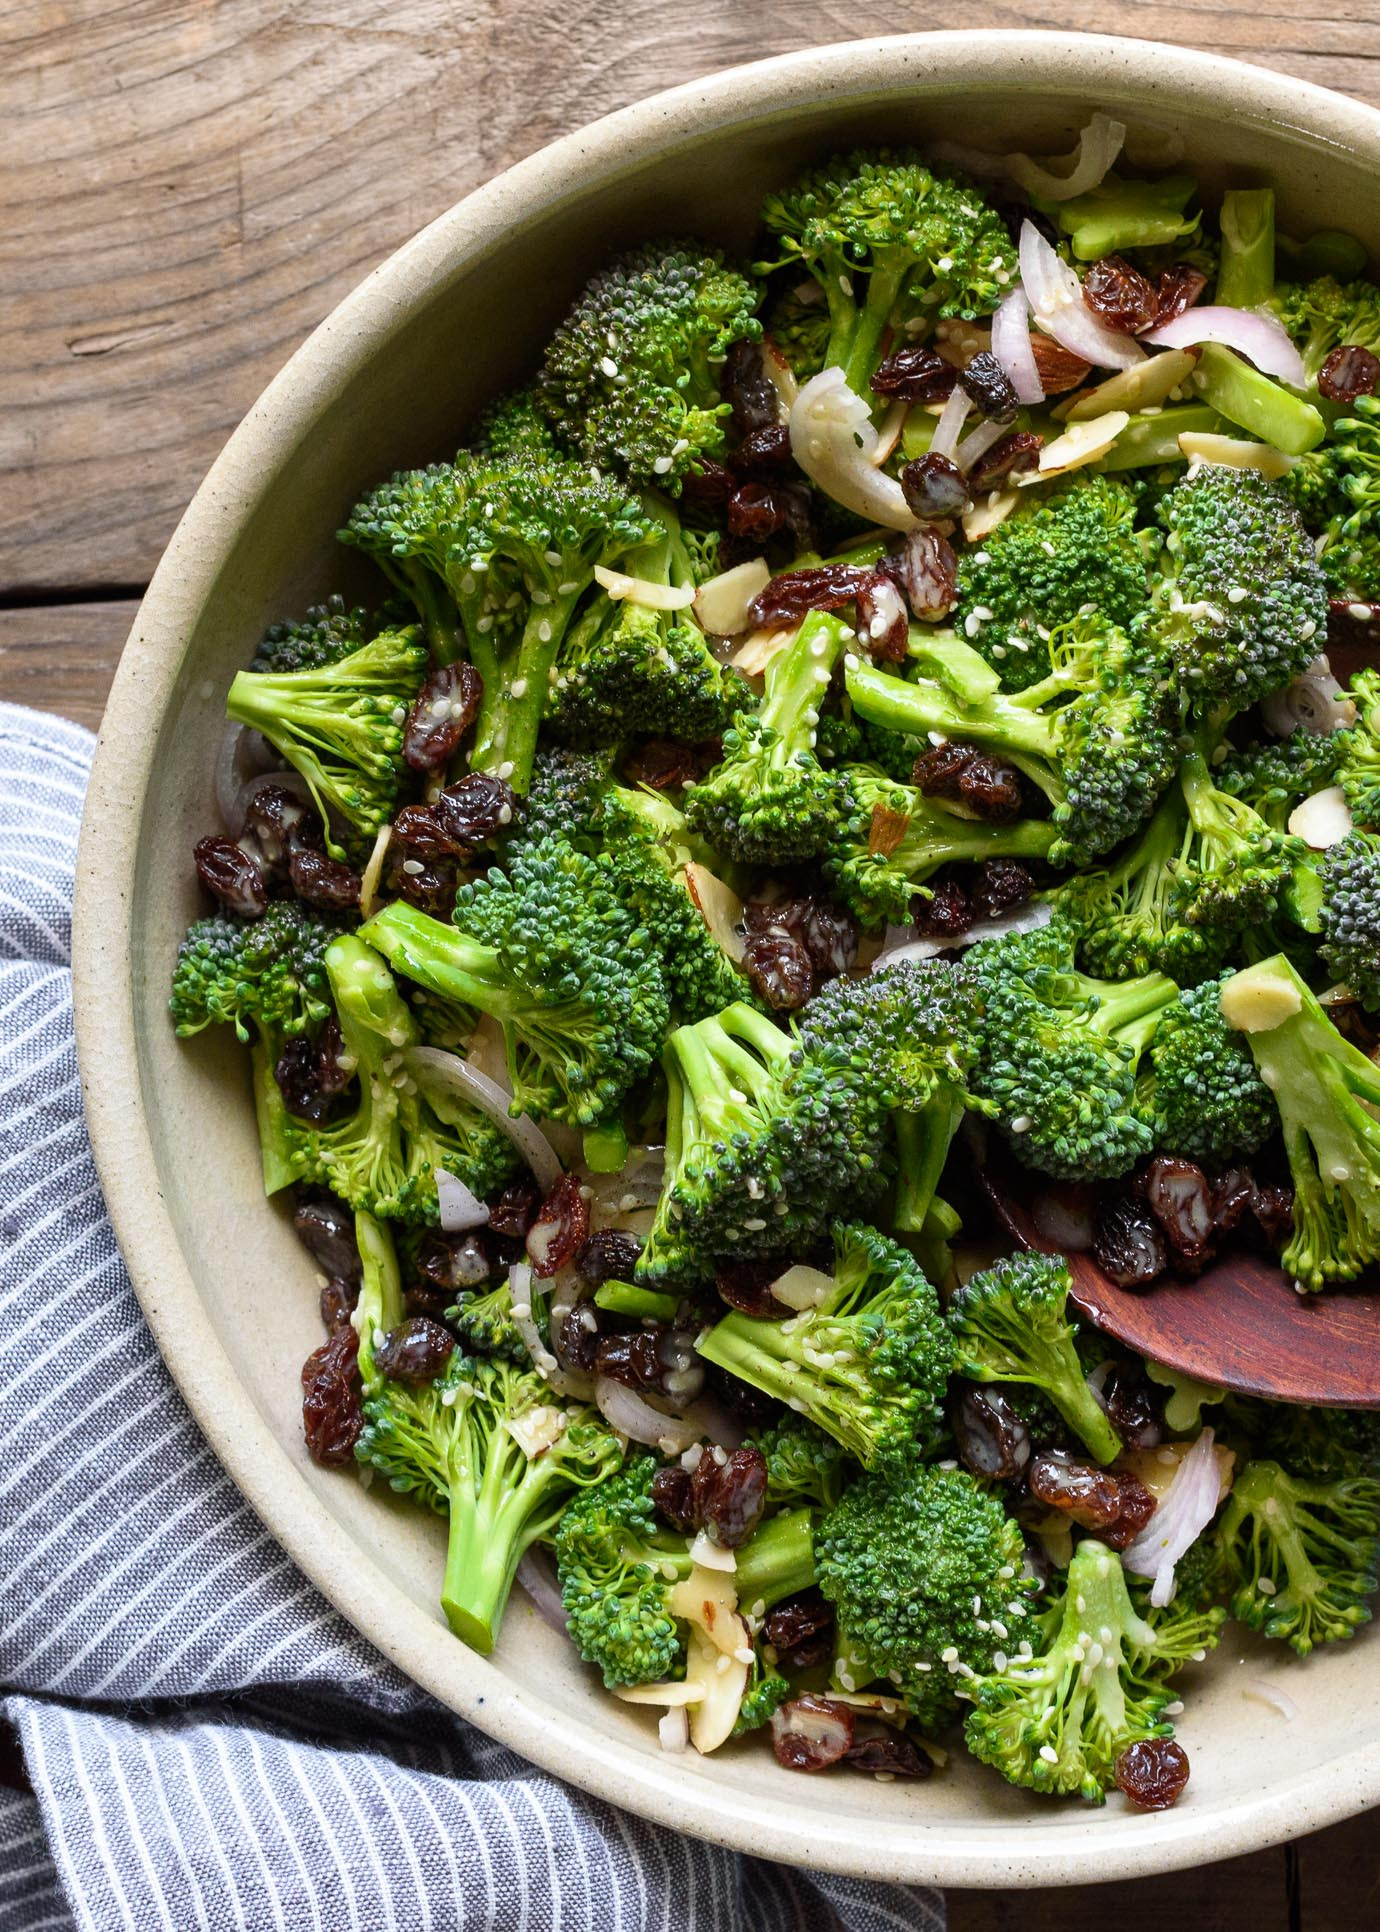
{"type": "Point", "coordinates": [962, 1854]}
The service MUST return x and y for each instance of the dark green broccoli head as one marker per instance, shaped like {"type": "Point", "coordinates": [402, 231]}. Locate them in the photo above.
{"type": "Point", "coordinates": [1011, 1324]}
{"type": "Point", "coordinates": [1319, 1444]}
{"type": "Point", "coordinates": [1359, 772]}
{"type": "Point", "coordinates": [269, 972]}
{"type": "Point", "coordinates": [1236, 867]}
{"type": "Point", "coordinates": [923, 1568]}
{"type": "Point", "coordinates": [1275, 775]}
{"type": "Point", "coordinates": [911, 1029]}
{"type": "Point", "coordinates": [1241, 604]}
{"type": "Point", "coordinates": [1301, 1556]}
{"type": "Point", "coordinates": [1326, 314]}
{"type": "Point", "coordinates": [483, 1319]}
{"type": "Point", "coordinates": [408, 525]}
{"type": "Point", "coordinates": [1210, 1104]}
{"type": "Point", "coordinates": [628, 671]}
{"type": "Point", "coordinates": [631, 377]}
{"type": "Point", "coordinates": [616, 1561]}
{"type": "Point", "coordinates": [798, 323]}
{"type": "Point", "coordinates": [515, 424]}
{"type": "Point", "coordinates": [1060, 1053]}
{"type": "Point", "coordinates": [1075, 547]}
{"type": "Point", "coordinates": [1350, 943]}
{"type": "Point", "coordinates": [804, 1466]}
{"type": "Point", "coordinates": [327, 633]}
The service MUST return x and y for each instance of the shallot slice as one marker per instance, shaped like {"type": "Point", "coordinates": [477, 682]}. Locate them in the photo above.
{"type": "Point", "coordinates": [1185, 1510]}
{"type": "Point", "coordinates": [1258, 337]}
{"type": "Point", "coordinates": [1055, 295]}
{"type": "Point", "coordinates": [1011, 347]}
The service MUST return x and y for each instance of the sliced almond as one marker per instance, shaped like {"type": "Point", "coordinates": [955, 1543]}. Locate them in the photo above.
{"type": "Point", "coordinates": [1148, 383]}
{"type": "Point", "coordinates": [721, 908]}
{"type": "Point", "coordinates": [984, 517]}
{"type": "Point", "coordinates": [640, 590]}
{"type": "Point", "coordinates": [1080, 443]}
{"type": "Point", "coordinates": [1258, 1000]}
{"type": "Point", "coordinates": [707, 1599]}
{"type": "Point", "coordinates": [758, 649]}
{"type": "Point", "coordinates": [1235, 453]}
{"type": "Point", "coordinates": [723, 1680]}
{"type": "Point", "coordinates": [722, 603]}
{"type": "Point", "coordinates": [669, 1696]}
{"type": "Point", "coordinates": [373, 872]}
{"type": "Point", "coordinates": [801, 1287]}
{"type": "Point", "coordinates": [889, 431]}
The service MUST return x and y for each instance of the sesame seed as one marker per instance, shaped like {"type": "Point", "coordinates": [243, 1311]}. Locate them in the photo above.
{"type": "Point", "coordinates": [518, 688]}
{"type": "Point", "coordinates": [1049, 1754]}
{"type": "Point", "coordinates": [662, 465]}
{"type": "Point", "coordinates": [609, 367]}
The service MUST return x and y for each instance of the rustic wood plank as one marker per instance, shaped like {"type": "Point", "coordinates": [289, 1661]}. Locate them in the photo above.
{"type": "Point", "coordinates": [190, 187]}
{"type": "Point", "coordinates": [1239, 1895]}
{"type": "Point", "coordinates": [1337, 1877]}
{"type": "Point", "coordinates": [63, 657]}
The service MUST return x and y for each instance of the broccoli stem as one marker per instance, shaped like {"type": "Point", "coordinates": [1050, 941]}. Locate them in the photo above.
{"type": "Point", "coordinates": [884, 286]}
{"type": "Point", "coordinates": [380, 1304]}
{"type": "Point", "coordinates": [1003, 723]}
{"type": "Point", "coordinates": [642, 1304]}
{"type": "Point", "coordinates": [279, 1169]}
{"type": "Point", "coordinates": [1254, 402]}
{"type": "Point", "coordinates": [922, 1146]}
{"type": "Point", "coordinates": [778, 1561]}
{"type": "Point", "coordinates": [491, 1527]}
{"type": "Point", "coordinates": [510, 713]}
{"type": "Point", "coordinates": [1148, 441]}
{"type": "Point", "coordinates": [1246, 268]}
{"type": "Point", "coordinates": [797, 677]}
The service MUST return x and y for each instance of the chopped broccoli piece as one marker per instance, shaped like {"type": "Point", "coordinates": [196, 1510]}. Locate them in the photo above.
{"type": "Point", "coordinates": [1350, 944]}
{"type": "Point", "coordinates": [1119, 215]}
{"type": "Point", "coordinates": [327, 633]}
{"type": "Point", "coordinates": [1210, 1104]}
{"type": "Point", "coordinates": [407, 525]}
{"type": "Point", "coordinates": [1010, 1324]}
{"type": "Point", "coordinates": [1246, 271]}
{"type": "Point", "coordinates": [515, 424]}
{"type": "Point", "coordinates": [1337, 490]}
{"type": "Point", "coordinates": [804, 1466]}
{"type": "Point", "coordinates": [1359, 774]}
{"type": "Point", "coordinates": [1301, 1556]}
{"type": "Point", "coordinates": [268, 973]}
{"type": "Point", "coordinates": [1325, 314]}
{"type": "Point", "coordinates": [1235, 868]}
{"type": "Point", "coordinates": [798, 324]}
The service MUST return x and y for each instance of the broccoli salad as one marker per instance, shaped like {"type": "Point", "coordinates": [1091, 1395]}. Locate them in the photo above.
{"type": "Point", "coordinates": [849, 719]}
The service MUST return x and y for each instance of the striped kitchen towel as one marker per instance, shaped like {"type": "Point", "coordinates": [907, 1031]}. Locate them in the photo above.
{"type": "Point", "coordinates": [209, 1745]}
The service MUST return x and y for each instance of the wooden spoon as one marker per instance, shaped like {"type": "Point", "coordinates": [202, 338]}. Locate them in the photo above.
{"type": "Point", "coordinates": [1240, 1325]}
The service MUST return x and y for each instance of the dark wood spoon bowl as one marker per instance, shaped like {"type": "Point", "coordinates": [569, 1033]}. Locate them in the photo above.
{"type": "Point", "coordinates": [1240, 1325]}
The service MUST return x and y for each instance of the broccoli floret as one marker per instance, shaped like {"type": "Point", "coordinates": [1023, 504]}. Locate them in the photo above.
{"type": "Point", "coordinates": [623, 1575]}
{"type": "Point", "coordinates": [923, 1568]}
{"type": "Point", "coordinates": [1326, 1091]}
{"type": "Point", "coordinates": [339, 724]}
{"type": "Point", "coordinates": [765, 1144]}
{"type": "Point", "coordinates": [868, 1363]}
{"type": "Point", "coordinates": [771, 802]}
{"type": "Point", "coordinates": [1319, 1444]}
{"type": "Point", "coordinates": [1073, 548]}
{"type": "Point", "coordinates": [702, 554]}
{"type": "Point", "coordinates": [1235, 867]}
{"type": "Point", "coordinates": [407, 525]}
{"type": "Point", "coordinates": [1060, 1053]}
{"type": "Point", "coordinates": [1210, 1104]}
{"type": "Point", "coordinates": [485, 1446]}
{"type": "Point", "coordinates": [268, 973]}
{"type": "Point", "coordinates": [798, 323]}
{"type": "Point", "coordinates": [1359, 744]}
{"type": "Point", "coordinates": [843, 738]}
{"type": "Point", "coordinates": [804, 1466]}
{"type": "Point", "coordinates": [1274, 776]}
{"type": "Point", "coordinates": [1058, 1721]}
{"type": "Point", "coordinates": [766, 1692]}
{"type": "Point", "coordinates": [483, 1320]}
{"type": "Point", "coordinates": [1326, 314]}
{"type": "Point", "coordinates": [1010, 1324]}
{"type": "Point", "coordinates": [1097, 736]}
{"type": "Point", "coordinates": [627, 670]}
{"type": "Point", "coordinates": [1337, 489]}
{"type": "Point", "coordinates": [549, 952]}
{"type": "Point", "coordinates": [1240, 602]}
{"type": "Point", "coordinates": [383, 1156]}
{"type": "Point", "coordinates": [912, 1032]}
{"type": "Point", "coordinates": [1120, 215]}
{"type": "Point", "coordinates": [631, 377]}
{"type": "Point", "coordinates": [327, 633]}
{"type": "Point", "coordinates": [924, 243]}
{"type": "Point", "coordinates": [1349, 873]}
{"type": "Point", "coordinates": [1301, 1556]}
{"type": "Point", "coordinates": [515, 424]}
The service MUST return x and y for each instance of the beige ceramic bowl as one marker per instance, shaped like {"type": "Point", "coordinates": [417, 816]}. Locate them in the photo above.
{"type": "Point", "coordinates": [389, 379]}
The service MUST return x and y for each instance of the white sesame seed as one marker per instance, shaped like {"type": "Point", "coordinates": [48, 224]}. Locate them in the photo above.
{"type": "Point", "coordinates": [1049, 1754]}
{"type": "Point", "coordinates": [609, 366]}
{"type": "Point", "coordinates": [518, 688]}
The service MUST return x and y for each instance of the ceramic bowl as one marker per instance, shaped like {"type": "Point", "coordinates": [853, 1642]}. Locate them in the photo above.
{"type": "Point", "coordinates": [390, 379]}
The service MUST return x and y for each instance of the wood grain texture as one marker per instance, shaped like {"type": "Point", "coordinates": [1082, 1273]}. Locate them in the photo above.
{"type": "Point", "coordinates": [62, 658]}
{"type": "Point", "coordinates": [192, 186]}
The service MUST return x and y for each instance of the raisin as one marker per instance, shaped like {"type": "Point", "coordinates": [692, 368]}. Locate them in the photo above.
{"type": "Point", "coordinates": [1014, 453]}
{"type": "Point", "coordinates": [326, 1229]}
{"type": "Point", "coordinates": [748, 389]}
{"type": "Point", "coordinates": [634, 1360]}
{"type": "Point", "coordinates": [998, 886]}
{"type": "Point", "coordinates": [1128, 1243]}
{"type": "Point", "coordinates": [1176, 291]}
{"type": "Point", "coordinates": [332, 1416]}
{"type": "Point", "coordinates": [474, 809]}
{"type": "Point", "coordinates": [767, 449]}
{"type": "Point", "coordinates": [733, 1509]}
{"type": "Point", "coordinates": [310, 1077]}
{"type": "Point", "coordinates": [934, 487]}
{"type": "Point", "coordinates": [430, 887]}
{"type": "Point", "coordinates": [988, 388]}
{"type": "Point", "coordinates": [763, 510]}
{"type": "Point", "coordinates": [453, 1261]}
{"type": "Point", "coordinates": [279, 822]}
{"type": "Point", "coordinates": [915, 374]}
{"type": "Point", "coordinates": [328, 884]}
{"type": "Point", "coordinates": [1083, 1492]}
{"type": "Point", "coordinates": [828, 934]}
{"type": "Point", "coordinates": [746, 1286]}
{"type": "Point", "coordinates": [663, 766]}
{"type": "Point", "coordinates": [992, 1437]}
{"type": "Point", "coordinates": [1059, 368]}
{"type": "Point", "coordinates": [1233, 1198]}
{"type": "Point", "coordinates": [442, 712]}
{"type": "Point", "coordinates": [779, 968]}
{"type": "Point", "coordinates": [231, 876]}
{"type": "Point", "coordinates": [883, 620]}
{"type": "Point", "coordinates": [1138, 1505]}
{"type": "Point", "coordinates": [945, 914]}
{"type": "Point", "coordinates": [1134, 1407]}
{"type": "Point", "coordinates": [750, 1406]}
{"type": "Point", "coordinates": [887, 1753]}
{"type": "Point", "coordinates": [1152, 1772]}
{"type": "Point", "coordinates": [1273, 1208]}
{"type": "Point", "coordinates": [607, 1256]}
{"type": "Point", "coordinates": [810, 1733]}
{"type": "Point", "coordinates": [925, 570]}
{"type": "Point", "coordinates": [671, 1497]}
{"type": "Point", "coordinates": [419, 830]}
{"type": "Point", "coordinates": [422, 1299]}
{"type": "Point", "coordinates": [559, 1229]}
{"type": "Point", "coordinates": [989, 788]}
{"type": "Point", "coordinates": [416, 1351]}
{"type": "Point", "coordinates": [706, 487]}
{"type": "Point", "coordinates": [515, 1209]}
{"type": "Point", "coordinates": [801, 1631]}
{"type": "Point", "coordinates": [337, 1302]}
{"type": "Point", "coordinates": [795, 593]}
{"type": "Point", "coordinates": [1178, 1195]}
{"type": "Point", "coordinates": [1349, 372]}
{"type": "Point", "coordinates": [1120, 296]}
{"type": "Point", "coordinates": [577, 1344]}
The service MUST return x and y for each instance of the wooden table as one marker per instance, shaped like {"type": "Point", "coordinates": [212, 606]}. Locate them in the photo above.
{"type": "Point", "coordinates": [190, 186]}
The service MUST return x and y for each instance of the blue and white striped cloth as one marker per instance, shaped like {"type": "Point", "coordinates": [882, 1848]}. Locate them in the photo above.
{"type": "Point", "coordinates": [209, 1745]}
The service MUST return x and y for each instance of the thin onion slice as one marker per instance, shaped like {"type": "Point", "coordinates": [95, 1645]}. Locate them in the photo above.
{"type": "Point", "coordinates": [373, 872]}
{"type": "Point", "coordinates": [1185, 1510]}
{"type": "Point", "coordinates": [1087, 166]}
{"type": "Point", "coordinates": [833, 439]}
{"type": "Point", "coordinates": [634, 1417]}
{"type": "Point", "coordinates": [977, 443]}
{"type": "Point", "coordinates": [1313, 701]}
{"type": "Point", "coordinates": [1011, 347]}
{"type": "Point", "coordinates": [951, 419]}
{"type": "Point", "coordinates": [1259, 1691]}
{"type": "Point", "coordinates": [1055, 295]}
{"type": "Point", "coordinates": [538, 1579]}
{"type": "Point", "coordinates": [435, 1066]}
{"type": "Point", "coordinates": [460, 1208]}
{"type": "Point", "coordinates": [1233, 453]}
{"type": "Point", "coordinates": [889, 432]}
{"type": "Point", "coordinates": [901, 945]}
{"type": "Point", "coordinates": [1260, 338]}
{"type": "Point", "coordinates": [521, 1288]}
{"type": "Point", "coordinates": [244, 754]}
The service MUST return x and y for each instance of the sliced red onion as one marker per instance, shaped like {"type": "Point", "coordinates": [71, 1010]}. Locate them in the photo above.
{"type": "Point", "coordinates": [951, 418]}
{"type": "Point", "coordinates": [243, 754]}
{"type": "Point", "coordinates": [834, 441]}
{"type": "Point", "coordinates": [901, 944]}
{"type": "Point", "coordinates": [521, 1288]}
{"type": "Point", "coordinates": [434, 1066]}
{"type": "Point", "coordinates": [1185, 1510]}
{"type": "Point", "coordinates": [538, 1578]}
{"type": "Point", "coordinates": [636, 1187]}
{"type": "Point", "coordinates": [287, 781]}
{"type": "Point", "coordinates": [1098, 147]}
{"type": "Point", "coordinates": [460, 1209]}
{"type": "Point", "coordinates": [634, 1417]}
{"type": "Point", "coordinates": [1313, 701]}
{"type": "Point", "coordinates": [1011, 346]}
{"type": "Point", "coordinates": [1055, 295]}
{"type": "Point", "coordinates": [978, 442]}
{"type": "Point", "coordinates": [1258, 337]}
